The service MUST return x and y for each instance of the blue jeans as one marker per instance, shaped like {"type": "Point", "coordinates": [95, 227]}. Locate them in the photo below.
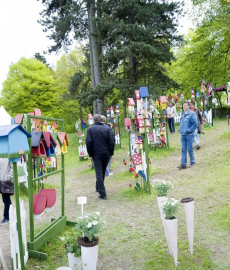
{"type": "Point", "coordinates": [186, 145]}
{"type": "Point", "coordinates": [196, 137]}
{"type": "Point", "coordinates": [7, 202]}
{"type": "Point", "coordinates": [107, 168]}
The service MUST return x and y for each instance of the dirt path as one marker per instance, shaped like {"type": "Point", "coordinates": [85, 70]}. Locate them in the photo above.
{"type": "Point", "coordinates": [131, 216]}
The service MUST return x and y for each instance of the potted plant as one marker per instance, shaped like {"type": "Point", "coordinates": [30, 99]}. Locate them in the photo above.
{"type": "Point", "coordinates": [70, 240]}
{"type": "Point", "coordinates": [89, 225]}
{"type": "Point", "coordinates": [162, 188]}
{"type": "Point", "coordinates": [170, 207]}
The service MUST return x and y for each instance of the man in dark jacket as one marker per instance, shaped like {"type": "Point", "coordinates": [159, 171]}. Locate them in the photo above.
{"type": "Point", "coordinates": [100, 146]}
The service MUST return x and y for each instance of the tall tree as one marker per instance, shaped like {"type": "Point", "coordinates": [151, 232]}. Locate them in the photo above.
{"type": "Point", "coordinates": [66, 17]}
{"type": "Point", "coordinates": [41, 58]}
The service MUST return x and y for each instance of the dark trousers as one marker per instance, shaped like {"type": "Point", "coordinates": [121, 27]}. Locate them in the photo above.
{"type": "Point", "coordinates": [100, 164]}
{"type": "Point", "coordinates": [171, 124]}
{"type": "Point", "coordinates": [7, 202]}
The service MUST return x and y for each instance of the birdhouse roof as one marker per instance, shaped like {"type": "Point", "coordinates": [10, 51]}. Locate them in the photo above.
{"type": "Point", "coordinates": [137, 159]}
{"type": "Point", "coordinates": [111, 107]}
{"type": "Point", "coordinates": [36, 137]}
{"type": "Point", "coordinates": [137, 94]}
{"type": "Point", "coordinates": [62, 136]}
{"type": "Point", "coordinates": [44, 123]}
{"type": "Point", "coordinates": [54, 125]}
{"type": "Point", "coordinates": [128, 122]}
{"type": "Point", "coordinates": [48, 138]}
{"type": "Point", "coordinates": [56, 138]}
{"type": "Point", "coordinates": [141, 123]}
{"type": "Point", "coordinates": [138, 141]}
{"type": "Point", "coordinates": [6, 130]}
{"type": "Point", "coordinates": [163, 99]}
{"type": "Point", "coordinates": [144, 92]}
{"type": "Point", "coordinates": [19, 118]}
{"type": "Point", "coordinates": [130, 102]}
{"type": "Point", "coordinates": [37, 112]}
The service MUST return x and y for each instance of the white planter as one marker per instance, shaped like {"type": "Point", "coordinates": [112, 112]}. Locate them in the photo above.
{"type": "Point", "coordinates": [159, 201]}
{"type": "Point", "coordinates": [189, 217]}
{"type": "Point", "coordinates": [74, 262]}
{"type": "Point", "coordinates": [171, 231]}
{"type": "Point", "coordinates": [89, 257]}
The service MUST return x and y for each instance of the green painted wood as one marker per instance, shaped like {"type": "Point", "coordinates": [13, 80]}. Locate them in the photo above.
{"type": "Point", "coordinates": [146, 150]}
{"type": "Point", "coordinates": [166, 131]}
{"type": "Point", "coordinates": [49, 232]}
{"type": "Point", "coordinates": [30, 186]}
{"type": "Point", "coordinates": [37, 255]}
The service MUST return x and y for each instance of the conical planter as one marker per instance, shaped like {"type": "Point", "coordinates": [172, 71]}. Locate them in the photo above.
{"type": "Point", "coordinates": [74, 262]}
{"type": "Point", "coordinates": [189, 217]}
{"type": "Point", "coordinates": [171, 231]}
{"type": "Point", "coordinates": [89, 254]}
{"type": "Point", "coordinates": [159, 201]}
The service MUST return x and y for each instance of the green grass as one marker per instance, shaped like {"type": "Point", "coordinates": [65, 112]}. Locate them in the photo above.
{"type": "Point", "coordinates": [134, 238]}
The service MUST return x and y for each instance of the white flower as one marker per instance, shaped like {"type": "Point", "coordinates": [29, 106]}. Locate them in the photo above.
{"type": "Point", "coordinates": [95, 222]}
{"type": "Point", "coordinates": [173, 203]}
{"type": "Point", "coordinates": [89, 225]}
{"type": "Point", "coordinates": [80, 217]}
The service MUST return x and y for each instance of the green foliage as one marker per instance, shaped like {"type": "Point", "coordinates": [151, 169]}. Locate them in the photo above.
{"type": "Point", "coordinates": [30, 84]}
{"type": "Point", "coordinates": [90, 225]}
{"type": "Point", "coordinates": [170, 207]}
{"type": "Point", "coordinates": [162, 187]}
{"type": "Point", "coordinates": [69, 239]}
{"type": "Point", "coordinates": [205, 53]}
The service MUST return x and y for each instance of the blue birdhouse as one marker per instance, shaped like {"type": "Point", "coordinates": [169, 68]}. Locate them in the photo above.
{"type": "Point", "coordinates": [144, 92]}
{"type": "Point", "coordinates": [13, 142]}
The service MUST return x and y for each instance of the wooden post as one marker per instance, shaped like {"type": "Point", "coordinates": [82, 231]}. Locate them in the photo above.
{"type": "Point", "coordinates": [18, 213]}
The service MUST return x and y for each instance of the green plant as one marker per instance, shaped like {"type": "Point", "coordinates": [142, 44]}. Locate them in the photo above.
{"type": "Point", "coordinates": [162, 187]}
{"type": "Point", "coordinates": [70, 241]}
{"type": "Point", "coordinates": [170, 208]}
{"type": "Point", "coordinates": [89, 225]}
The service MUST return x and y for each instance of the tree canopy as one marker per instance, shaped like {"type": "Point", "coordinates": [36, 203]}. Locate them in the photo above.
{"type": "Point", "coordinates": [30, 84]}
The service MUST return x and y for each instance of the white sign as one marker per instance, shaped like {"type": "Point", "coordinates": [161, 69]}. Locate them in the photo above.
{"type": "Point", "coordinates": [82, 200]}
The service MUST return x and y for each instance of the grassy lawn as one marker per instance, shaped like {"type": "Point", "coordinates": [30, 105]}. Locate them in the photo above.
{"type": "Point", "coordinates": [134, 238]}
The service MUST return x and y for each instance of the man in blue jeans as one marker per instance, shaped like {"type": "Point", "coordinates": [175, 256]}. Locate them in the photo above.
{"type": "Point", "coordinates": [188, 124]}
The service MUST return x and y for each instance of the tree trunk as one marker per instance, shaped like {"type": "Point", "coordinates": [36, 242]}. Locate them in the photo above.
{"type": "Point", "coordinates": [94, 56]}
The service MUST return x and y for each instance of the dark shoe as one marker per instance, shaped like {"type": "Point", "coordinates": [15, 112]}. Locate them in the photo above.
{"type": "Point", "coordinates": [102, 198]}
{"type": "Point", "coordinates": [97, 190]}
{"type": "Point", "coordinates": [5, 221]}
{"type": "Point", "coordinates": [181, 167]}
{"type": "Point", "coordinates": [197, 147]}
{"type": "Point", "coordinates": [192, 165]}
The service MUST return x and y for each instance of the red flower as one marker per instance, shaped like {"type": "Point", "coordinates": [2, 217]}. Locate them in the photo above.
{"type": "Point", "coordinates": [130, 185]}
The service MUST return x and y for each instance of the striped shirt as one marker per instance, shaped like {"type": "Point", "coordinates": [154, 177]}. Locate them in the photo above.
{"type": "Point", "coordinates": [6, 170]}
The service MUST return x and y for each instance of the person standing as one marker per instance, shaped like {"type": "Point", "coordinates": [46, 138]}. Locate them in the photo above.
{"type": "Point", "coordinates": [200, 124]}
{"type": "Point", "coordinates": [6, 174]}
{"type": "Point", "coordinates": [188, 124]}
{"type": "Point", "coordinates": [107, 170]}
{"type": "Point", "coordinates": [171, 113]}
{"type": "Point", "coordinates": [100, 146]}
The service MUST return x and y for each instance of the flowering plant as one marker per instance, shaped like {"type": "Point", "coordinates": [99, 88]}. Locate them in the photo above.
{"type": "Point", "coordinates": [161, 187]}
{"type": "Point", "coordinates": [70, 241]}
{"type": "Point", "coordinates": [89, 225]}
{"type": "Point", "coordinates": [170, 208]}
